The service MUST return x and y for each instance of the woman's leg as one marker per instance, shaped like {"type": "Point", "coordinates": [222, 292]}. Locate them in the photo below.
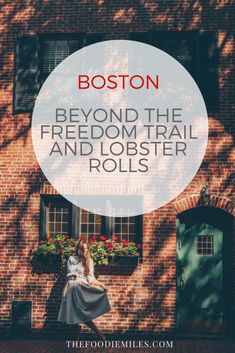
{"type": "Point", "coordinates": [78, 330]}
{"type": "Point", "coordinates": [93, 326]}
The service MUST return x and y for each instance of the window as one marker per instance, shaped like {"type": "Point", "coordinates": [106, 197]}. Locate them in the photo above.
{"type": "Point", "coordinates": [205, 245]}
{"type": "Point", "coordinates": [125, 228]}
{"type": "Point", "coordinates": [196, 51]}
{"type": "Point", "coordinates": [90, 223]}
{"type": "Point", "coordinates": [59, 216]}
{"type": "Point", "coordinates": [36, 56]}
{"type": "Point", "coordinates": [180, 45]}
{"type": "Point", "coordinates": [55, 51]}
{"type": "Point", "coordinates": [55, 216]}
{"type": "Point", "coordinates": [58, 222]}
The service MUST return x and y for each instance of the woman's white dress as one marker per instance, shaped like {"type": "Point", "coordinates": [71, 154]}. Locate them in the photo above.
{"type": "Point", "coordinates": [81, 302]}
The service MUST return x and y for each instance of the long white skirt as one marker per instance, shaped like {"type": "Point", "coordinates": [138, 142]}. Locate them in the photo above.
{"type": "Point", "coordinates": [82, 302]}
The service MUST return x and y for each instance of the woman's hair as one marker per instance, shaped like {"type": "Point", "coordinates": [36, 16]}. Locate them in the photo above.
{"type": "Point", "coordinates": [84, 259]}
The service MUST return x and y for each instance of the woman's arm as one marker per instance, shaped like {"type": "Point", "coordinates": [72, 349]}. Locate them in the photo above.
{"type": "Point", "coordinates": [97, 283]}
{"type": "Point", "coordinates": [91, 277]}
{"type": "Point", "coordinates": [71, 267]}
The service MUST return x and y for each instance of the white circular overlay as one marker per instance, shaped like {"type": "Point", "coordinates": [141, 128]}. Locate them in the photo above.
{"type": "Point", "coordinates": [119, 128]}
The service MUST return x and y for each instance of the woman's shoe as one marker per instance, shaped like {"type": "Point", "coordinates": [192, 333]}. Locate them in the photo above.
{"type": "Point", "coordinates": [102, 338]}
{"type": "Point", "coordinates": [78, 331]}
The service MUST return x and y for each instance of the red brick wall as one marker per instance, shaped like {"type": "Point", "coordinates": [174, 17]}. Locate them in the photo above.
{"type": "Point", "coordinates": [145, 299]}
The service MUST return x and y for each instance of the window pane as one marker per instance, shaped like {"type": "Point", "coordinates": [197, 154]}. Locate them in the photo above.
{"type": "Point", "coordinates": [97, 228]}
{"type": "Point", "coordinates": [98, 219]}
{"type": "Point", "coordinates": [118, 220]}
{"type": "Point", "coordinates": [64, 228]}
{"type": "Point", "coordinates": [65, 217]}
{"type": "Point", "coordinates": [204, 245]}
{"type": "Point", "coordinates": [55, 51]}
{"type": "Point", "coordinates": [57, 228]}
{"type": "Point", "coordinates": [51, 227]}
{"type": "Point", "coordinates": [132, 237]}
{"type": "Point", "coordinates": [84, 228]}
{"type": "Point", "coordinates": [84, 218]}
{"type": "Point", "coordinates": [90, 228]}
{"type": "Point", "coordinates": [131, 229]}
{"type": "Point", "coordinates": [90, 223]}
{"type": "Point", "coordinates": [57, 219]}
{"type": "Point", "coordinates": [117, 228]}
{"type": "Point", "coordinates": [91, 218]}
{"type": "Point", "coordinates": [124, 228]}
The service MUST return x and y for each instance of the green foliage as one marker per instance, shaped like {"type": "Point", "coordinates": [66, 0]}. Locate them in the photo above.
{"type": "Point", "coordinates": [60, 244]}
{"type": "Point", "coordinates": [100, 249]}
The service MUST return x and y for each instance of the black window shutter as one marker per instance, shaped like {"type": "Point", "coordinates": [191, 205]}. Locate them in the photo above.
{"type": "Point", "coordinates": [27, 73]}
{"type": "Point", "coordinates": [208, 64]}
{"type": "Point", "coordinates": [75, 221]}
{"type": "Point", "coordinates": [92, 38]}
{"type": "Point", "coordinates": [143, 37]}
{"type": "Point", "coordinates": [180, 45]}
{"type": "Point", "coordinates": [43, 220]}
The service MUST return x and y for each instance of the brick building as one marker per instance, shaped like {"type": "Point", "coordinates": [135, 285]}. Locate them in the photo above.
{"type": "Point", "coordinates": [169, 289]}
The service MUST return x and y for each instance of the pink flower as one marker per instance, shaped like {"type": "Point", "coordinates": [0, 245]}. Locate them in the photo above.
{"type": "Point", "coordinates": [123, 250]}
{"type": "Point", "coordinates": [102, 238]}
{"type": "Point", "coordinates": [51, 241]}
{"type": "Point", "coordinates": [61, 251]}
{"type": "Point", "coordinates": [114, 237]}
{"type": "Point", "coordinates": [81, 237]}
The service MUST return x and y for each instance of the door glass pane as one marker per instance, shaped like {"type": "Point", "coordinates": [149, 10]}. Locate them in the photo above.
{"type": "Point", "coordinates": [205, 245]}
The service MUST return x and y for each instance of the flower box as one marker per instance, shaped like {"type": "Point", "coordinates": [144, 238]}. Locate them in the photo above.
{"type": "Point", "coordinates": [123, 260]}
{"type": "Point", "coordinates": [49, 263]}
{"type": "Point", "coordinates": [52, 254]}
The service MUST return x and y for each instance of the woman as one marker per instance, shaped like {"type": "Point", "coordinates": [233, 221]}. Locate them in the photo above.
{"type": "Point", "coordinates": [84, 298]}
